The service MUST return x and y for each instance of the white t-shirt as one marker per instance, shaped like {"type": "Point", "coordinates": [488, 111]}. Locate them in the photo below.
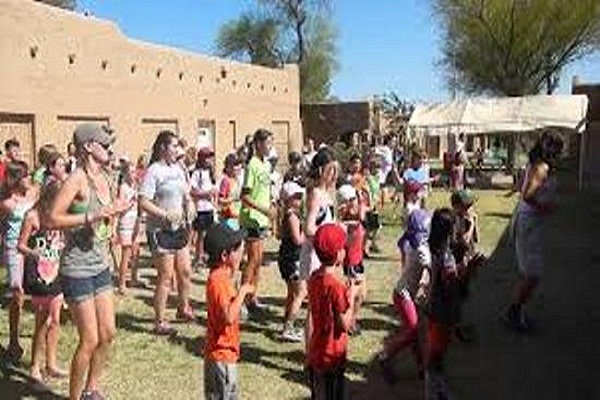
{"type": "Point", "coordinates": [166, 185]}
{"type": "Point", "coordinates": [415, 261]}
{"type": "Point", "coordinates": [276, 183]}
{"type": "Point", "coordinates": [201, 181]}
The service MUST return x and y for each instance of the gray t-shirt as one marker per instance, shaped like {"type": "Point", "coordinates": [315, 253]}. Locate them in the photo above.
{"type": "Point", "coordinates": [166, 185]}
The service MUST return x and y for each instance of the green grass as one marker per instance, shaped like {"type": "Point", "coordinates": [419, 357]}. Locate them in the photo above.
{"type": "Point", "coordinates": [143, 366]}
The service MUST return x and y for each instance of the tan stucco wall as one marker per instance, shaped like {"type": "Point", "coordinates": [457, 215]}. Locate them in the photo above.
{"type": "Point", "coordinates": [113, 79]}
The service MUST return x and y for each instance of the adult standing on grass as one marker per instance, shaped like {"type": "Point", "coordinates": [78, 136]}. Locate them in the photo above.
{"type": "Point", "coordinates": [83, 209]}
{"type": "Point", "coordinates": [256, 213]}
{"type": "Point", "coordinates": [538, 200]}
{"type": "Point", "coordinates": [165, 196]}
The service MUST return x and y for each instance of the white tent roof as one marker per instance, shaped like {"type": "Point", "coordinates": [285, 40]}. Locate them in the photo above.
{"type": "Point", "coordinates": [508, 114]}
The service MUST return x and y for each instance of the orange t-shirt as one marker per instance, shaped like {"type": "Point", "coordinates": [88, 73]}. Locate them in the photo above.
{"type": "Point", "coordinates": [222, 340]}
{"type": "Point", "coordinates": [327, 296]}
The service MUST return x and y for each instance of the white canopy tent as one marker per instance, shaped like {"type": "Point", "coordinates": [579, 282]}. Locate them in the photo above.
{"type": "Point", "coordinates": [502, 115]}
{"type": "Point", "coordinates": [495, 115]}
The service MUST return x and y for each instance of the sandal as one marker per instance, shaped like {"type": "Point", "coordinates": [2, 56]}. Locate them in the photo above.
{"type": "Point", "coordinates": [185, 315]}
{"type": "Point", "coordinates": [164, 329]}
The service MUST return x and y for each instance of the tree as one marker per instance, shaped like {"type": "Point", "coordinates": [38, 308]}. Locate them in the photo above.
{"type": "Point", "coordinates": [286, 31]}
{"type": "Point", "coordinates": [514, 47]}
{"type": "Point", "coordinates": [66, 4]}
{"type": "Point", "coordinates": [396, 112]}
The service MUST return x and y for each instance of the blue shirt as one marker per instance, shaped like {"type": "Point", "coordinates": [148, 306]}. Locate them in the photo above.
{"type": "Point", "coordinates": [420, 175]}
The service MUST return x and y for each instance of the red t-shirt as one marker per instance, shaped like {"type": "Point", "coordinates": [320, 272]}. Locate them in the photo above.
{"type": "Point", "coordinates": [327, 296]}
{"type": "Point", "coordinates": [354, 243]}
{"type": "Point", "coordinates": [222, 340]}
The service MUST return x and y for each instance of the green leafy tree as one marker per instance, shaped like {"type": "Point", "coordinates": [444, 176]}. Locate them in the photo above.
{"type": "Point", "coordinates": [286, 31]}
{"type": "Point", "coordinates": [396, 112]}
{"type": "Point", "coordinates": [514, 47]}
{"type": "Point", "coordinates": [67, 4]}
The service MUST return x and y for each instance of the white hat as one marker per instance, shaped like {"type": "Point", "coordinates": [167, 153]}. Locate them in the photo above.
{"type": "Point", "coordinates": [346, 193]}
{"type": "Point", "coordinates": [291, 189]}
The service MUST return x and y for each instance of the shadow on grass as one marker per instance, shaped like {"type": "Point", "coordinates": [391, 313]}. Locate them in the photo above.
{"type": "Point", "coordinates": [16, 384]}
{"type": "Point", "coordinates": [498, 215]}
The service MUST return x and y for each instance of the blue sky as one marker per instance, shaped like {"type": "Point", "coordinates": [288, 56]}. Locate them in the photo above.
{"type": "Point", "coordinates": [383, 45]}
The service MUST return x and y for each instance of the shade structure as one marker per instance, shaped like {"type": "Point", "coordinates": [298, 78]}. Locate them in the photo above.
{"type": "Point", "coordinates": [500, 115]}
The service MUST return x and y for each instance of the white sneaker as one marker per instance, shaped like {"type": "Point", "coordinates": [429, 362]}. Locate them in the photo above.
{"type": "Point", "coordinates": [290, 335]}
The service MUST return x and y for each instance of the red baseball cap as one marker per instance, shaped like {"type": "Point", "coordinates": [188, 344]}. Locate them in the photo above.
{"type": "Point", "coordinates": [328, 241]}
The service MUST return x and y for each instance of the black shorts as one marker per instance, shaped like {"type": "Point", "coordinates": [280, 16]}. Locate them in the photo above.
{"type": "Point", "coordinates": [203, 220]}
{"type": "Point", "coordinates": [257, 233]}
{"type": "Point", "coordinates": [354, 271]}
{"type": "Point", "coordinates": [289, 270]}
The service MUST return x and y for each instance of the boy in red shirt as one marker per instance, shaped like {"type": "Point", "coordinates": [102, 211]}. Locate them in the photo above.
{"type": "Point", "coordinates": [331, 305]}
{"type": "Point", "coordinates": [224, 247]}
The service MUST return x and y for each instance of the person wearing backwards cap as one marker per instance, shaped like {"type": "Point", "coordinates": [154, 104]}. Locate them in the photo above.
{"type": "Point", "coordinates": [83, 209]}
{"type": "Point", "coordinates": [331, 305]}
{"type": "Point", "coordinates": [224, 246]}
{"type": "Point", "coordinates": [292, 238]}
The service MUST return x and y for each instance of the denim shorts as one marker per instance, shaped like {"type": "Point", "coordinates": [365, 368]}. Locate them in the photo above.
{"type": "Point", "coordinates": [77, 290]}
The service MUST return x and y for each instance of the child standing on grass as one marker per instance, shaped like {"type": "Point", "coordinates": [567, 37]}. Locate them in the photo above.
{"type": "Point", "coordinates": [350, 214]}
{"type": "Point", "coordinates": [331, 305]}
{"type": "Point", "coordinates": [409, 292]}
{"type": "Point", "coordinates": [464, 248]}
{"type": "Point", "coordinates": [292, 238]}
{"type": "Point", "coordinates": [224, 247]}
{"type": "Point", "coordinates": [372, 223]}
{"type": "Point", "coordinates": [128, 227]}
{"type": "Point", "coordinates": [41, 249]}
{"type": "Point", "coordinates": [443, 303]}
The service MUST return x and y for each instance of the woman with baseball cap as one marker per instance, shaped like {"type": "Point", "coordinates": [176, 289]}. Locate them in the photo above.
{"type": "Point", "coordinates": [83, 209]}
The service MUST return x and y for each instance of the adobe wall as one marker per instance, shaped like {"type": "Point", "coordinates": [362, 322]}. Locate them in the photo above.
{"type": "Point", "coordinates": [59, 68]}
{"type": "Point", "coordinates": [327, 122]}
{"type": "Point", "coordinates": [589, 156]}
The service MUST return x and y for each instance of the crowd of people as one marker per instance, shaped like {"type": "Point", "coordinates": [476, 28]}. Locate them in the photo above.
{"type": "Point", "coordinates": [63, 222]}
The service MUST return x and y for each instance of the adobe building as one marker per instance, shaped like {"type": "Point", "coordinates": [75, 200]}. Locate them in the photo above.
{"type": "Point", "coordinates": [60, 68]}
{"type": "Point", "coordinates": [589, 143]}
{"type": "Point", "coordinates": [333, 122]}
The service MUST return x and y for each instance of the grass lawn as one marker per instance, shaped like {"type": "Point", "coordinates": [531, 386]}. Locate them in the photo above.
{"type": "Point", "coordinates": [143, 366]}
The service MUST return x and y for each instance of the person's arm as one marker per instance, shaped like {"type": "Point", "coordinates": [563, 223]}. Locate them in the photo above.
{"type": "Point", "coordinates": [311, 215]}
{"type": "Point", "coordinates": [296, 230]}
{"type": "Point", "coordinates": [539, 173]}
{"type": "Point", "coordinates": [27, 229]}
{"type": "Point", "coordinates": [196, 190]}
{"type": "Point", "coordinates": [230, 309]}
{"type": "Point", "coordinates": [60, 218]}
{"type": "Point", "coordinates": [343, 307]}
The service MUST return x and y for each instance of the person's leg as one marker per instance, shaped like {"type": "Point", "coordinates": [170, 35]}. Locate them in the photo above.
{"type": "Point", "coordinates": [84, 317]}
{"type": "Point", "coordinates": [126, 252]}
{"type": "Point", "coordinates": [359, 300]}
{"type": "Point", "coordinates": [252, 270]}
{"type": "Point", "coordinates": [298, 295]}
{"type": "Point", "coordinates": [37, 346]}
{"type": "Point", "coordinates": [14, 321]}
{"type": "Point", "coordinates": [183, 271]}
{"type": "Point", "coordinates": [164, 264]}
{"type": "Point", "coordinates": [407, 334]}
{"type": "Point", "coordinates": [134, 261]}
{"type": "Point", "coordinates": [105, 320]}
{"type": "Point", "coordinates": [52, 337]}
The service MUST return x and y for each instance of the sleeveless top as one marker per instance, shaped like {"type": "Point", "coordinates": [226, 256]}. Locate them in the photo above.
{"type": "Point", "coordinates": [13, 222]}
{"type": "Point", "coordinates": [289, 251]}
{"type": "Point", "coordinates": [40, 274]}
{"type": "Point", "coordinates": [86, 247]}
{"type": "Point", "coordinates": [545, 194]}
{"type": "Point", "coordinates": [309, 261]}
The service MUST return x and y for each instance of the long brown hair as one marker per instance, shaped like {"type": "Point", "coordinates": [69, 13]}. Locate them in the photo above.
{"type": "Point", "coordinates": [16, 171]}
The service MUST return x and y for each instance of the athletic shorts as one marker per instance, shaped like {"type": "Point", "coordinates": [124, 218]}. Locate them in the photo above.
{"type": "Point", "coordinates": [203, 220]}
{"type": "Point", "coordinates": [220, 381]}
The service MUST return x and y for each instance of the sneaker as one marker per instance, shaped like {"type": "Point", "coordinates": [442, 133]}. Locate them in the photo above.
{"type": "Point", "coordinates": [91, 395]}
{"type": "Point", "coordinates": [291, 335]}
{"type": "Point", "coordinates": [257, 305]}
{"type": "Point", "coordinates": [515, 318]}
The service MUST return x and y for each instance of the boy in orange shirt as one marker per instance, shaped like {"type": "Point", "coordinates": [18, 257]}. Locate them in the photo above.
{"type": "Point", "coordinates": [224, 246]}
{"type": "Point", "coordinates": [331, 305]}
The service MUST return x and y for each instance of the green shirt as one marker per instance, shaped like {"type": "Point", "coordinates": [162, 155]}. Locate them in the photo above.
{"type": "Point", "coordinates": [257, 183]}
{"type": "Point", "coordinates": [39, 175]}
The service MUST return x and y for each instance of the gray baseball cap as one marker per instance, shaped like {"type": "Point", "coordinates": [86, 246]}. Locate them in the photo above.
{"type": "Point", "coordinates": [90, 132]}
